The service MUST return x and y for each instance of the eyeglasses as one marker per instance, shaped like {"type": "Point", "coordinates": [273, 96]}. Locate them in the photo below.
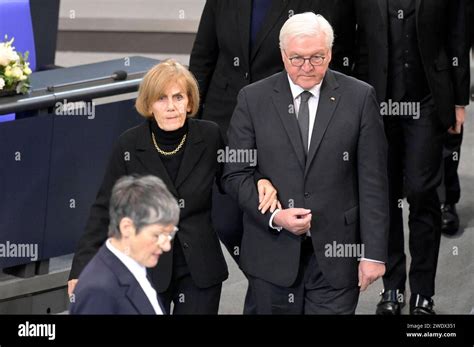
{"type": "Point", "coordinates": [167, 237]}
{"type": "Point", "coordinates": [315, 60]}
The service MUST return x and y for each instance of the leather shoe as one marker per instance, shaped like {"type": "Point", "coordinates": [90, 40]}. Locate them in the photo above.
{"type": "Point", "coordinates": [449, 219]}
{"type": "Point", "coordinates": [391, 302]}
{"type": "Point", "coordinates": [421, 305]}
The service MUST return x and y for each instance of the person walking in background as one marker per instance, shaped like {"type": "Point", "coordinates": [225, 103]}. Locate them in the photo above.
{"type": "Point", "coordinates": [415, 54]}
{"type": "Point", "coordinates": [451, 187]}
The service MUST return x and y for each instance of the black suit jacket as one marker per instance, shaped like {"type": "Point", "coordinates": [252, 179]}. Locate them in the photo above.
{"type": "Point", "coordinates": [442, 36]}
{"type": "Point", "coordinates": [135, 154]}
{"type": "Point", "coordinates": [106, 286]}
{"type": "Point", "coordinates": [470, 6]}
{"type": "Point", "coordinates": [343, 181]}
{"type": "Point", "coordinates": [223, 61]}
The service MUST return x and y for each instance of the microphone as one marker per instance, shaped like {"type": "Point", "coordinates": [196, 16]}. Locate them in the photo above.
{"type": "Point", "coordinates": [119, 75]}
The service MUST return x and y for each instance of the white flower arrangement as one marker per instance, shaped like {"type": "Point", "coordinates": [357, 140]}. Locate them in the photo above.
{"type": "Point", "coordinates": [14, 69]}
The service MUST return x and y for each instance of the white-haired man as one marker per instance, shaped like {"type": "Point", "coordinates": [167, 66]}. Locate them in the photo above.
{"type": "Point", "coordinates": [320, 140]}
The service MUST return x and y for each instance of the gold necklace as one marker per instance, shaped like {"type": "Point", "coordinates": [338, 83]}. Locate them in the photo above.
{"type": "Point", "coordinates": [173, 152]}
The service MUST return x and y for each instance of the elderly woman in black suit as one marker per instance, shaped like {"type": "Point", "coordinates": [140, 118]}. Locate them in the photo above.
{"type": "Point", "coordinates": [183, 152]}
{"type": "Point", "coordinates": [143, 219]}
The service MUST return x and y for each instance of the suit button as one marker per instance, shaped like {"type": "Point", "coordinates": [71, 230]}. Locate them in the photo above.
{"type": "Point", "coordinates": [306, 195]}
{"type": "Point", "coordinates": [185, 245]}
{"type": "Point", "coordinates": [407, 65]}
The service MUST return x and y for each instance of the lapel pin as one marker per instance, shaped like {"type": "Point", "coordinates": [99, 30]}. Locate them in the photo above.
{"type": "Point", "coordinates": [333, 98]}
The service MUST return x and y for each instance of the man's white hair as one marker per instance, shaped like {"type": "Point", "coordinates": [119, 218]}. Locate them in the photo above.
{"type": "Point", "coordinates": [306, 24]}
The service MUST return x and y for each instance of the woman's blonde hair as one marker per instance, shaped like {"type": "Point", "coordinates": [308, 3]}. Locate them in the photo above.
{"type": "Point", "coordinates": [158, 78]}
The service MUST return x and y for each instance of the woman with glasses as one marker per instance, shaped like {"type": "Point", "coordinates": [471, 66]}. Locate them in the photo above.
{"type": "Point", "coordinates": [143, 219]}
{"type": "Point", "coordinates": [184, 153]}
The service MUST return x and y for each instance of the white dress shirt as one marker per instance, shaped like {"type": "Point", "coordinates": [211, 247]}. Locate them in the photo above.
{"type": "Point", "coordinates": [139, 272]}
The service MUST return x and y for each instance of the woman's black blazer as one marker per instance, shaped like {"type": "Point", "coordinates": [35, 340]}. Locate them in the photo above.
{"type": "Point", "coordinates": [136, 154]}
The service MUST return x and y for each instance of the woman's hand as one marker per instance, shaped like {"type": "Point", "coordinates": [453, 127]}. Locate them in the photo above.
{"type": "Point", "coordinates": [267, 196]}
{"type": "Point", "coordinates": [71, 285]}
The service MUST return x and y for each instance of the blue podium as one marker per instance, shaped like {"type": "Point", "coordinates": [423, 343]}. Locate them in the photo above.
{"type": "Point", "coordinates": [52, 164]}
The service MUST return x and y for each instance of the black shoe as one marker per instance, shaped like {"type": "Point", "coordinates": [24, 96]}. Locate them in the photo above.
{"type": "Point", "coordinates": [421, 305]}
{"type": "Point", "coordinates": [449, 219]}
{"type": "Point", "coordinates": [391, 303]}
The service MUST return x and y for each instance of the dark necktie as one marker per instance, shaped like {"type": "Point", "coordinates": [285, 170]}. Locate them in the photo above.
{"type": "Point", "coordinates": [303, 118]}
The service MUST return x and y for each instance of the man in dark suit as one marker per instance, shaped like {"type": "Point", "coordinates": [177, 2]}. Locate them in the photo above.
{"type": "Point", "coordinates": [452, 156]}
{"type": "Point", "coordinates": [414, 53]}
{"type": "Point", "coordinates": [471, 21]}
{"type": "Point", "coordinates": [236, 45]}
{"type": "Point", "coordinates": [320, 141]}
{"type": "Point", "coordinates": [451, 187]}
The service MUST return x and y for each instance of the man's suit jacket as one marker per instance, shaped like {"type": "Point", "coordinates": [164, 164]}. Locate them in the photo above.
{"type": "Point", "coordinates": [106, 286]}
{"type": "Point", "coordinates": [224, 62]}
{"type": "Point", "coordinates": [135, 154]}
{"type": "Point", "coordinates": [470, 10]}
{"type": "Point", "coordinates": [442, 36]}
{"type": "Point", "coordinates": [343, 180]}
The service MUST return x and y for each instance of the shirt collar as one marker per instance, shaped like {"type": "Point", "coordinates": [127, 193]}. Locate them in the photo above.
{"type": "Point", "coordinates": [296, 90]}
{"type": "Point", "coordinates": [135, 268]}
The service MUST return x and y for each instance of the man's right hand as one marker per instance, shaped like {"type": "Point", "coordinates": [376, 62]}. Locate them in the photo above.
{"type": "Point", "coordinates": [295, 220]}
{"type": "Point", "coordinates": [71, 284]}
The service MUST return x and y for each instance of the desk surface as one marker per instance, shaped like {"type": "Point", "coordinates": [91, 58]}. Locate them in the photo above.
{"type": "Point", "coordinates": [40, 97]}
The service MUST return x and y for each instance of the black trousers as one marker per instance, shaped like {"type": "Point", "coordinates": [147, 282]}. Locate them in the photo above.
{"type": "Point", "coordinates": [450, 187]}
{"type": "Point", "coordinates": [227, 219]}
{"type": "Point", "coordinates": [310, 294]}
{"type": "Point", "coordinates": [414, 167]}
{"type": "Point", "coordinates": [183, 292]}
